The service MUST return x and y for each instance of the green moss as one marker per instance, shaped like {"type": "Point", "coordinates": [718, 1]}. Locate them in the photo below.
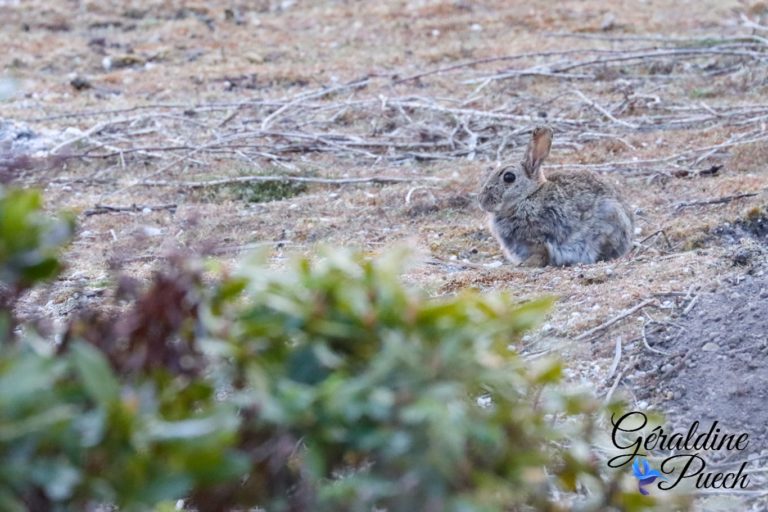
{"type": "Point", "coordinates": [266, 191]}
{"type": "Point", "coordinates": [702, 93]}
{"type": "Point", "coordinates": [255, 191]}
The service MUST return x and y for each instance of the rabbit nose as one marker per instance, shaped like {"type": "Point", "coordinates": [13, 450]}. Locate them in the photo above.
{"type": "Point", "coordinates": [489, 203]}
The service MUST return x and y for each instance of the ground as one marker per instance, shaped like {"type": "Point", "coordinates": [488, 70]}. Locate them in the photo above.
{"type": "Point", "coordinates": [148, 103]}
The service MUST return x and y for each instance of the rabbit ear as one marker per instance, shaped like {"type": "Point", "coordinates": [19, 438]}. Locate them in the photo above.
{"type": "Point", "coordinates": [538, 150]}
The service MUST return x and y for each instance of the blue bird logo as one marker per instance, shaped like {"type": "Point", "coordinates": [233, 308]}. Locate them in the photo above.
{"type": "Point", "coordinates": [644, 474]}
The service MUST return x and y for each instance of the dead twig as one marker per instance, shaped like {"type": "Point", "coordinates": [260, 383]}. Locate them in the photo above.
{"type": "Point", "coordinates": [690, 305]}
{"type": "Point", "coordinates": [602, 110]}
{"type": "Point", "coordinates": [101, 209]}
{"type": "Point", "coordinates": [296, 179]}
{"type": "Point", "coordinates": [615, 385]}
{"type": "Point", "coordinates": [312, 95]}
{"type": "Point", "coordinates": [716, 200]}
{"type": "Point", "coordinates": [478, 62]}
{"type": "Point", "coordinates": [640, 248]}
{"type": "Point", "coordinates": [644, 338]}
{"type": "Point", "coordinates": [463, 265]}
{"type": "Point", "coordinates": [624, 314]}
{"type": "Point", "coordinates": [616, 358]}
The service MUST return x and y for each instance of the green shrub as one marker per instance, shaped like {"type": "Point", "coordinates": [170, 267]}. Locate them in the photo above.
{"type": "Point", "coordinates": [328, 385]}
{"type": "Point", "coordinates": [29, 242]}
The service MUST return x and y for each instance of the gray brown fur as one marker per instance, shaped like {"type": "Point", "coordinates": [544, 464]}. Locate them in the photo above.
{"type": "Point", "coordinates": [563, 219]}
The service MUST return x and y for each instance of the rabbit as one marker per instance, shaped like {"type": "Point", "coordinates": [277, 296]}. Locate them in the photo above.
{"type": "Point", "coordinates": [562, 219]}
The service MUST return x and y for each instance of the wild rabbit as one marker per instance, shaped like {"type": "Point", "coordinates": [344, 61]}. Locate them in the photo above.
{"type": "Point", "coordinates": [562, 219]}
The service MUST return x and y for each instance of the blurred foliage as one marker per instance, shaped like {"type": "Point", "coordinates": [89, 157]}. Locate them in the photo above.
{"type": "Point", "coordinates": [29, 240]}
{"type": "Point", "coordinates": [328, 385]}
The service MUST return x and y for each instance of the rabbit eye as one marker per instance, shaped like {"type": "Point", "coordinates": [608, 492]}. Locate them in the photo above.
{"type": "Point", "coordinates": [509, 177]}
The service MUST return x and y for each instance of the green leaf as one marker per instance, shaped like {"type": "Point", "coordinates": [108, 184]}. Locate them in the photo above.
{"type": "Point", "coordinates": [58, 477]}
{"type": "Point", "coordinates": [95, 374]}
{"type": "Point", "coordinates": [9, 503]}
{"type": "Point", "coordinates": [546, 371]}
{"type": "Point", "coordinates": [39, 422]}
{"type": "Point", "coordinates": [531, 313]}
{"type": "Point", "coordinates": [159, 430]}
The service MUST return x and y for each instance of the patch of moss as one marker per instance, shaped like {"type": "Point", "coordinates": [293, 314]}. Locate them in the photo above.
{"type": "Point", "coordinates": [266, 191]}
{"type": "Point", "coordinates": [698, 93]}
{"type": "Point", "coordinates": [256, 191]}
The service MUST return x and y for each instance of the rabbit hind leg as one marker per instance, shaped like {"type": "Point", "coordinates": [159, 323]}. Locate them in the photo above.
{"type": "Point", "coordinates": [539, 257]}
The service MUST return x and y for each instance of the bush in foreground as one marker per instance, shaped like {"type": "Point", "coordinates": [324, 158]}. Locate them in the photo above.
{"type": "Point", "coordinates": [325, 386]}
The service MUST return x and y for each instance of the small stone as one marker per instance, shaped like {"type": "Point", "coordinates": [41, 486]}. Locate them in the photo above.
{"type": "Point", "coordinates": [742, 257]}
{"type": "Point", "coordinates": [710, 347]}
{"type": "Point", "coordinates": [151, 231]}
{"type": "Point", "coordinates": [254, 58]}
{"type": "Point", "coordinates": [79, 83]}
{"type": "Point", "coordinates": [608, 23]}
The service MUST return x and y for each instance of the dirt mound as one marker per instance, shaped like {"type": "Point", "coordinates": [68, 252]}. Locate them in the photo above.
{"type": "Point", "coordinates": [719, 371]}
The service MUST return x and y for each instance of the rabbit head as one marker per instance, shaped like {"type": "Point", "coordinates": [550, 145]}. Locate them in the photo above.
{"type": "Point", "coordinates": [509, 184]}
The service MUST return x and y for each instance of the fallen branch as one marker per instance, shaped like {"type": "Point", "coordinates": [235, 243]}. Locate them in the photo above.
{"type": "Point", "coordinates": [366, 121]}
{"type": "Point", "coordinates": [615, 385]}
{"type": "Point", "coordinates": [647, 345]}
{"type": "Point", "coordinates": [688, 52]}
{"type": "Point", "coordinates": [503, 58]}
{"type": "Point", "coordinates": [296, 179]}
{"type": "Point", "coordinates": [717, 200]}
{"type": "Point", "coordinates": [563, 71]}
{"type": "Point", "coordinates": [463, 265]}
{"type": "Point", "coordinates": [602, 110]}
{"type": "Point", "coordinates": [311, 95]}
{"type": "Point", "coordinates": [616, 358]}
{"type": "Point", "coordinates": [634, 309]}
{"type": "Point", "coordinates": [101, 209]}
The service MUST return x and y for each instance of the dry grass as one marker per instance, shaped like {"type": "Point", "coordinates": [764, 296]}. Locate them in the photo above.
{"type": "Point", "coordinates": [200, 53]}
